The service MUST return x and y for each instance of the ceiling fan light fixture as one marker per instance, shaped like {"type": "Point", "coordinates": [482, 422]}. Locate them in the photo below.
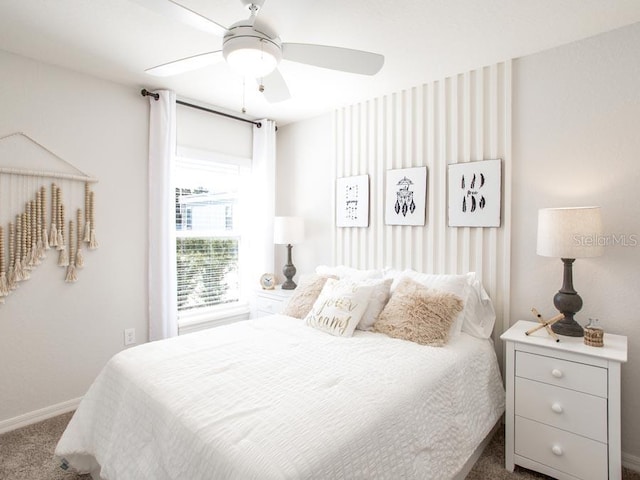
{"type": "Point", "coordinates": [252, 56]}
{"type": "Point", "coordinates": [253, 49]}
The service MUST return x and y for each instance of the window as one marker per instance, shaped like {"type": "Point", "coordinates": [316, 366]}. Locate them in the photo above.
{"type": "Point", "coordinates": [208, 237]}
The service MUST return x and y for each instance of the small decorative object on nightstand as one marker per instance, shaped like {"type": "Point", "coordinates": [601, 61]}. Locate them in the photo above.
{"type": "Point", "coordinates": [268, 281]}
{"type": "Point", "coordinates": [593, 334]}
{"type": "Point", "coordinates": [563, 405]}
{"type": "Point", "coordinates": [271, 301]}
{"type": "Point", "coordinates": [546, 324]}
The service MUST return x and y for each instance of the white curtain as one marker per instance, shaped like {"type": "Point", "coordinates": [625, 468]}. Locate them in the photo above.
{"type": "Point", "coordinates": [163, 311]}
{"type": "Point", "coordinates": [259, 245]}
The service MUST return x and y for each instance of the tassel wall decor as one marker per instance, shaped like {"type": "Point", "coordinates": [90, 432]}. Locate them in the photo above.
{"type": "Point", "coordinates": [40, 240]}
{"type": "Point", "coordinates": [87, 223]}
{"type": "Point", "coordinates": [60, 220]}
{"type": "Point", "coordinates": [53, 236]}
{"type": "Point", "coordinates": [93, 242]}
{"type": "Point", "coordinates": [34, 255]}
{"type": "Point", "coordinates": [71, 269]}
{"type": "Point", "coordinates": [11, 276]}
{"type": "Point", "coordinates": [17, 267]}
{"type": "Point", "coordinates": [24, 264]}
{"type": "Point", "coordinates": [43, 213]}
{"type": "Point", "coordinates": [79, 255]}
{"type": "Point", "coordinates": [63, 257]}
{"type": "Point", "coordinates": [28, 235]}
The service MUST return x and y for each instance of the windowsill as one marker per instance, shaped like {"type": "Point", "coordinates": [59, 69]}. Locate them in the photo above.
{"type": "Point", "coordinates": [190, 320]}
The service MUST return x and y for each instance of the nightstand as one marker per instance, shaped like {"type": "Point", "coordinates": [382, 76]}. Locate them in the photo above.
{"type": "Point", "coordinates": [273, 301]}
{"type": "Point", "coordinates": [563, 404]}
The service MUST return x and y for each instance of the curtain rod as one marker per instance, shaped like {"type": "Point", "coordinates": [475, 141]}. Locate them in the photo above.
{"type": "Point", "coordinates": [146, 93]}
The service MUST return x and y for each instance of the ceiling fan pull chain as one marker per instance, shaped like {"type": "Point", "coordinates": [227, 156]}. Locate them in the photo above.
{"type": "Point", "coordinates": [244, 110]}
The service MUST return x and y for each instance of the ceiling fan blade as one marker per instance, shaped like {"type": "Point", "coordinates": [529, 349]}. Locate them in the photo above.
{"type": "Point", "coordinates": [335, 58]}
{"type": "Point", "coordinates": [275, 88]}
{"type": "Point", "coordinates": [185, 64]}
{"type": "Point", "coordinates": [174, 10]}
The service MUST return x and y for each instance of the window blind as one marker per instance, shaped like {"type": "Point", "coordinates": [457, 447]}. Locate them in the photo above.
{"type": "Point", "coordinates": [207, 238]}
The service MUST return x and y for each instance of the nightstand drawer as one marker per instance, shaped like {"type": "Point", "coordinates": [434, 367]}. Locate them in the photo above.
{"type": "Point", "coordinates": [569, 410]}
{"type": "Point", "coordinates": [563, 451]}
{"type": "Point", "coordinates": [270, 305]}
{"type": "Point", "coordinates": [576, 376]}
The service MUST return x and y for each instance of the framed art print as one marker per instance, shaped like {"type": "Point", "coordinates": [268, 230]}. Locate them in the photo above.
{"type": "Point", "coordinates": [475, 194]}
{"type": "Point", "coordinates": [406, 196]}
{"type": "Point", "coordinates": [352, 201]}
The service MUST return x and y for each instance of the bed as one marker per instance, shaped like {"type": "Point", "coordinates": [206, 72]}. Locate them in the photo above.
{"type": "Point", "coordinates": [272, 398]}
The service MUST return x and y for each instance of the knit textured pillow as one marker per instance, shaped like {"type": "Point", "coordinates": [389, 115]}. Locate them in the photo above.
{"type": "Point", "coordinates": [305, 295]}
{"type": "Point", "coordinates": [419, 314]}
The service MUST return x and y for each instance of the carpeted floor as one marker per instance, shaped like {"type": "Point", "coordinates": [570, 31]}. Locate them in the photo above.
{"type": "Point", "coordinates": [27, 454]}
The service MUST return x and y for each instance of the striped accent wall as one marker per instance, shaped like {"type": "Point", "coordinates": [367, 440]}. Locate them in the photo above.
{"type": "Point", "coordinates": [459, 119]}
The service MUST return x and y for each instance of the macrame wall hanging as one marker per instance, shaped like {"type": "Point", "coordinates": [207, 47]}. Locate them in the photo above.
{"type": "Point", "coordinates": [43, 212]}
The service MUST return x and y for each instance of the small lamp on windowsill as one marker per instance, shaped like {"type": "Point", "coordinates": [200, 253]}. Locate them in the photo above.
{"type": "Point", "coordinates": [569, 233]}
{"type": "Point", "coordinates": [288, 231]}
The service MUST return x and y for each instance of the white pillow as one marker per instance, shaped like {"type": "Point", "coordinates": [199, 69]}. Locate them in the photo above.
{"type": "Point", "coordinates": [379, 298]}
{"type": "Point", "coordinates": [480, 316]}
{"type": "Point", "coordinates": [342, 271]}
{"type": "Point", "coordinates": [339, 307]}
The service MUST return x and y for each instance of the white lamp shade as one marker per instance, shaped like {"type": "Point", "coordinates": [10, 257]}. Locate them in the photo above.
{"type": "Point", "coordinates": [569, 232]}
{"type": "Point", "coordinates": [288, 230]}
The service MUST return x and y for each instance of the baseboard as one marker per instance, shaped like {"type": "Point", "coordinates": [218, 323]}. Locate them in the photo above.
{"type": "Point", "coordinates": [39, 415]}
{"type": "Point", "coordinates": [631, 462]}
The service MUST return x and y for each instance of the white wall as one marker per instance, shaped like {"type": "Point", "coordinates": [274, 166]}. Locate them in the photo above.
{"type": "Point", "coordinates": [55, 336]}
{"type": "Point", "coordinates": [305, 172]}
{"type": "Point", "coordinates": [576, 142]}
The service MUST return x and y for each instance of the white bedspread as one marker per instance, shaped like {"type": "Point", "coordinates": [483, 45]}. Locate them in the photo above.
{"type": "Point", "coordinates": [272, 398]}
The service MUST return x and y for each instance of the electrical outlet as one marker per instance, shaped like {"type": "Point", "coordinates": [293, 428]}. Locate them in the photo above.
{"type": "Point", "coordinates": [129, 336]}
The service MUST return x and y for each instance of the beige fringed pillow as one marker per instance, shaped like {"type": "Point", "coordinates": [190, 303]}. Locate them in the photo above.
{"type": "Point", "coordinates": [419, 314]}
{"type": "Point", "coordinates": [305, 295]}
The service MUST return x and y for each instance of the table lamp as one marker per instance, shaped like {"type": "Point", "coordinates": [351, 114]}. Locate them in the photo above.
{"type": "Point", "coordinates": [569, 233]}
{"type": "Point", "coordinates": [288, 231]}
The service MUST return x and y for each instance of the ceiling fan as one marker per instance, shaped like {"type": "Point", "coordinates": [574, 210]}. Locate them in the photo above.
{"type": "Point", "coordinates": [254, 50]}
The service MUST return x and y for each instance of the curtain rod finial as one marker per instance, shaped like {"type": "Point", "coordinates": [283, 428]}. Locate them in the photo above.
{"type": "Point", "coordinates": [146, 93]}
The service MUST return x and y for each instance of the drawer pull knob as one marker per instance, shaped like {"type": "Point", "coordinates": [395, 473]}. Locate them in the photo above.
{"type": "Point", "coordinates": [556, 407]}
{"type": "Point", "coordinates": [557, 450]}
{"type": "Point", "coordinates": [557, 373]}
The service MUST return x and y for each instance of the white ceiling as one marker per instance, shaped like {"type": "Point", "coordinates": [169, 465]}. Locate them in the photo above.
{"type": "Point", "coordinates": [422, 41]}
